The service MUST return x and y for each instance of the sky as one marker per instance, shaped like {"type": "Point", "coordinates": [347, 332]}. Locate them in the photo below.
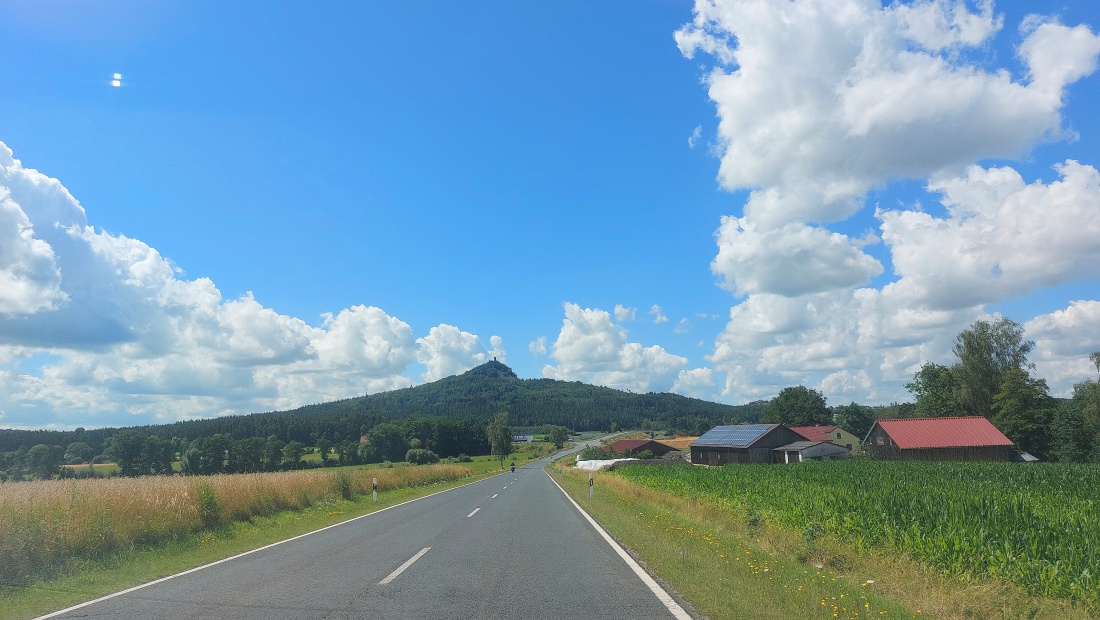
{"type": "Point", "coordinates": [212, 208]}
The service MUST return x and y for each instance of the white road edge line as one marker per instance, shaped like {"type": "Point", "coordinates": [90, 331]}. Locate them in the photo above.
{"type": "Point", "coordinates": [677, 611]}
{"type": "Point", "coordinates": [473, 513]}
{"type": "Point", "coordinates": [401, 569]}
{"type": "Point", "coordinates": [239, 555]}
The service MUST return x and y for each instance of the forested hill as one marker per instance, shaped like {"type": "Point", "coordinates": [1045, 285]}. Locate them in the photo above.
{"type": "Point", "coordinates": [474, 396]}
{"type": "Point", "coordinates": [491, 388]}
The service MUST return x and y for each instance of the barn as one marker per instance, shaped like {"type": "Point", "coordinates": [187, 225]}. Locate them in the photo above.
{"type": "Point", "coordinates": [964, 438]}
{"type": "Point", "coordinates": [742, 443]}
{"type": "Point", "coordinates": [631, 447]}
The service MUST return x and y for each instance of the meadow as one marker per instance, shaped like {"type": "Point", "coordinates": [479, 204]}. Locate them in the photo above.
{"type": "Point", "coordinates": [1036, 526]}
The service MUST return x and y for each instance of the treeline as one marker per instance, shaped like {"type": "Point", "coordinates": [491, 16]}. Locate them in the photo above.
{"type": "Point", "coordinates": [137, 452]}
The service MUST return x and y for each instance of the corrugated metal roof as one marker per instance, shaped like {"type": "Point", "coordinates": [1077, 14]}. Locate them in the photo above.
{"type": "Point", "coordinates": [628, 444]}
{"type": "Point", "coordinates": [957, 432]}
{"type": "Point", "coordinates": [815, 433]}
{"type": "Point", "coordinates": [738, 436]}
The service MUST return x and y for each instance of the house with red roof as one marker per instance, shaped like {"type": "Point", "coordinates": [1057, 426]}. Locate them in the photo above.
{"type": "Point", "coordinates": [966, 438]}
{"type": "Point", "coordinates": [832, 434]}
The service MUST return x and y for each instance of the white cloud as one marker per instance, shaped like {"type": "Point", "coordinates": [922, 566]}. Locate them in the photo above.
{"type": "Point", "coordinates": [593, 349]}
{"type": "Point", "coordinates": [696, 383]}
{"type": "Point", "coordinates": [537, 346]}
{"type": "Point", "coordinates": [624, 314]}
{"type": "Point", "coordinates": [820, 100]}
{"type": "Point", "coordinates": [683, 327]}
{"type": "Point", "coordinates": [1063, 341]}
{"type": "Point", "coordinates": [1002, 238]}
{"type": "Point", "coordinates": [792, 260]}
{"type": "Point", "coordinates": [695, 135]}
{"type": "Point", "coordinates": [447, 350]}
{"type": "Point", "coordinates": [655, 312]}
{"type": "Point", "coordinates": [497, 352]}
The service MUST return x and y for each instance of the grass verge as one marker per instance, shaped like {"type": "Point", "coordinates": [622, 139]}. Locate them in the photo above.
{"type": "Point", "coordinates": [736, 566]}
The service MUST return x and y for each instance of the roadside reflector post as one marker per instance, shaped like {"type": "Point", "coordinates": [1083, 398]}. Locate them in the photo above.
{"type": "Point", "coordinates": [374, 489]}
{"type": "Point", "coordinates": [591, 484]}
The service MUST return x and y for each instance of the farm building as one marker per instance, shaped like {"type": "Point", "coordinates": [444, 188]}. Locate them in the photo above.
{"type": "Point", "coordinates": [800, 451]}
{"type": "Point", "coordinates": [833, 434]}
{"type": "Point", "coordinates": [744, 443]}
{"type": "Point", "coordinates": [969, 438]}
{"type": "Point", "coordinates": [631, 447]}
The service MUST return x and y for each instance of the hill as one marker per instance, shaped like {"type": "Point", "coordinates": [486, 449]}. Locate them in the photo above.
{"type": "Point", "coordinates": [474, 396]}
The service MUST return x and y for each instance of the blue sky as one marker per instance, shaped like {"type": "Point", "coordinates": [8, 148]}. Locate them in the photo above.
{"type": "Point", "coordinates": [284, 205]}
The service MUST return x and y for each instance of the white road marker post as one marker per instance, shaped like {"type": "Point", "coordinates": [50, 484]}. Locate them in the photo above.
{"type": "Point", "coordinates": [591, 485]}
{"type": "Point", "coordinates": [374, 489]}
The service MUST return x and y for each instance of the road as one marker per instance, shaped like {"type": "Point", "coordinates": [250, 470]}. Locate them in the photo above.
{"type": "Point", "coordinates": [510, 546]}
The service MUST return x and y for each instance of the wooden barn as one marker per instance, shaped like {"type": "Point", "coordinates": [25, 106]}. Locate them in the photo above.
{"type": "Point", "coordinates": [968, 438]}
{"type": "Point", "coordinates": [833, 434]}
{"type": "Point", "coordinates": [632, 447]}
{"type": "Point", "coordinates": [743, 443]}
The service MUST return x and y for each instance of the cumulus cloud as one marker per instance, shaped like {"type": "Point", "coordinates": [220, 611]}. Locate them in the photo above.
{"type": "Point", "coordinates": [696, 383]}
{"type": "Point", "coordinates": [791, 260]}
{"type": "Point", "coordinates": [1002, 237]}
{"type": "Point", "coordinates": [592, 348]}
{"type": "Point", "coordinates": [95, 325]}
{"type": "Point", "coordinates": [447, 350]}
{"type": "Point", "coordinates": [1063, 341]}
{"type": "Point", "coordinates": [820, 101]}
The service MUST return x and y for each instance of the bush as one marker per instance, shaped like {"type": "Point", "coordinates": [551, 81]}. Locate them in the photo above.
{"type": "Point", "coordinates": [210, 511]}
{"type": "Point", "coordinates": [462, 458]}
{"type": "Point", "coordinates": [420, 456]}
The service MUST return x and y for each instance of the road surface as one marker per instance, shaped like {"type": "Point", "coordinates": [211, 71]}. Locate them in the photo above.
{"type": "Point", "coordinates": [510, 546]}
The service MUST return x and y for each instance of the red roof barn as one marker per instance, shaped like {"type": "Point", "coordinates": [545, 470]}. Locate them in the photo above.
{"type": "Point", "coordinates": [637, 446]}
{"type": "Point", "coordinates": [970, 438]}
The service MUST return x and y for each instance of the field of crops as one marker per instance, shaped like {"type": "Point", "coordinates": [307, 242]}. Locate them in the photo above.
{"type": "Point", "coordinates": [1034, 525]}
{"type": "Point", "coordinates": [47, 527]}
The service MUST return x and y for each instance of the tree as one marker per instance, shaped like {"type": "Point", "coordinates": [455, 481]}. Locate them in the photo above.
{"type": "Point", "coordinates": [935, 387]}
{"type": "Point", "coordinates": [43, 462]}
{"type": "Point", "coordinates": [986, 352]}
{"type": "Point", "coordinates": [292, 454]}
{"type": "Point", "coordinates": [324, 447]}
{"type": "Point", "coordinates": [78, 452]}
{"type": "Point", "coordinates": [797, 406]}
{"type": "Point", "coordinates": [856, 419]}
{"type": "Point", "coordinates": [387, 443]}
{"type": "Point", "coordinates": [125, 450]}
{"type": "Point", "coordinates": [558, 436]}
{"type": "Point", "coordinates": [500, 437]}
{"type": "Point", "coordinates": [1023, 410]}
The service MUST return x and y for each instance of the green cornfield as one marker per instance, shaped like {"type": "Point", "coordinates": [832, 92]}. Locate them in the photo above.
{"type": "Point", "coordinates": [1035, 525]}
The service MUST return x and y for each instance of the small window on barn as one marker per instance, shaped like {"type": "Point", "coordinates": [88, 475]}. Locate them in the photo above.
{"type": "Point", "coordinates": [878, 440]}
{"type": "Point", "coordinates": [838, 435]}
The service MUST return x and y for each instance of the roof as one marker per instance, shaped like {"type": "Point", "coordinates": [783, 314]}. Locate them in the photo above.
{"type": "Point", "coordinates": [628, 444]}
{"type": "Point", "coordinates": [740, 435]}
{"type": "Point", "coordinates": [955, 432]}
{"type": "Point", "coordinates": [815, 433]}
{"type": "Point", "coordinates": [799, 446]}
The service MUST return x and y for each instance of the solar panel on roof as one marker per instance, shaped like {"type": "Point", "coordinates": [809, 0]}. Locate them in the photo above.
{"type": "Point", "coordinates": [741, 435]}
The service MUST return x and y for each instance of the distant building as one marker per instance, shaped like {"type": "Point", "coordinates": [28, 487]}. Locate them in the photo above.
{"type": "Point", "coordinates": [833, 434]}
{"type": "Point", "coordinates": [743, 443]}
{"type": "Point", "coordinates": [633, 447]}
{"type": "Point", "coordinates": [969, 438]}
{"type": "Point", "coordinates": [801, 451]}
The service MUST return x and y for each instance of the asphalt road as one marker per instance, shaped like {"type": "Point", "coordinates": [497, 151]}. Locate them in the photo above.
{"type": "Point", "coordinates": [510, 546]}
